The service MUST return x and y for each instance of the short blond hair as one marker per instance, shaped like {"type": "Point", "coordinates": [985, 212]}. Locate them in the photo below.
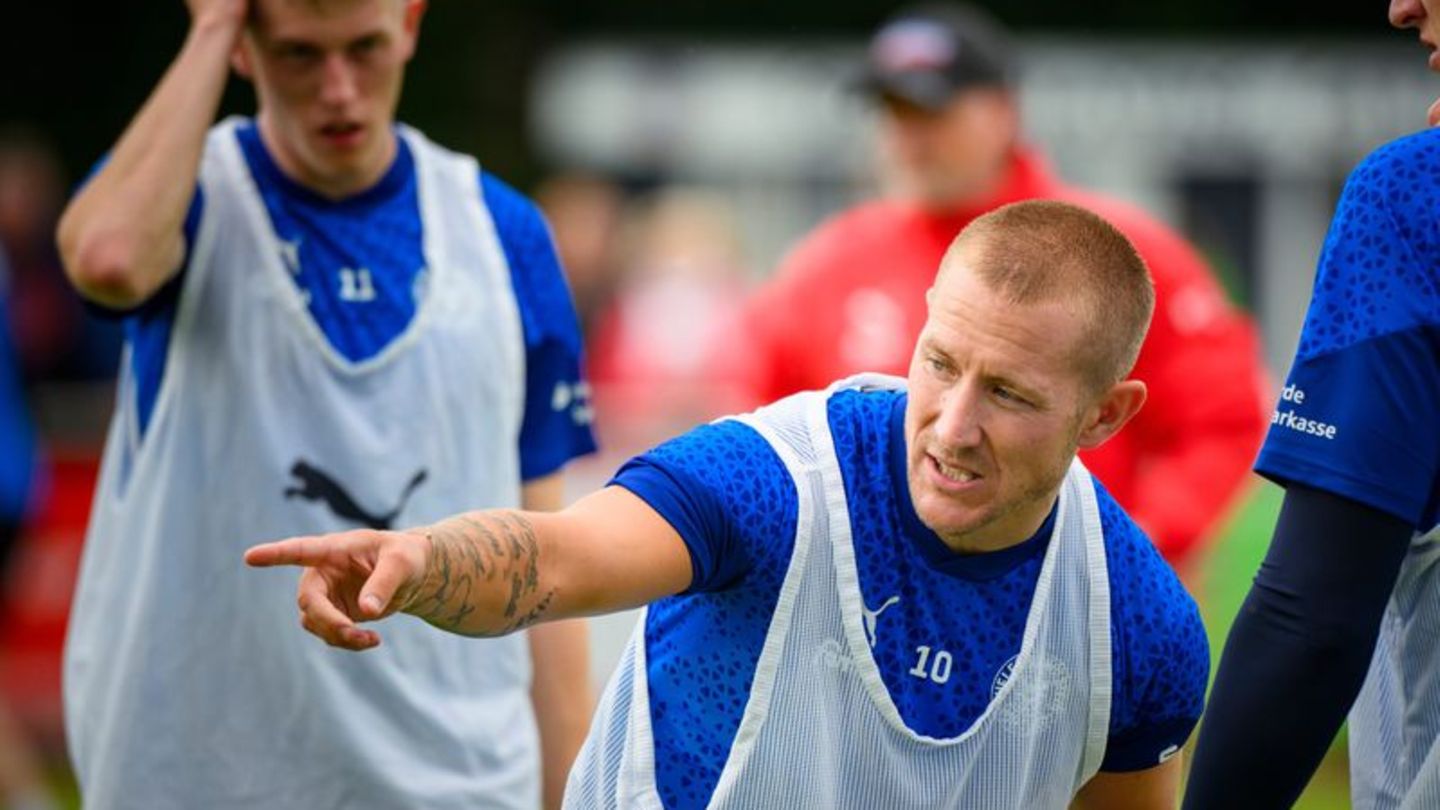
{"type": "Point", "coordinates": [1040, 251]}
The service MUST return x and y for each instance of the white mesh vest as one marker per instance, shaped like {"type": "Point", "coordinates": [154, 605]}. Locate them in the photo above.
{"type": "Point", "coordinates": [820, 729]}
{"type": "Point", "coordinates": [1395, 722]}
{"type": "Point", "coordinates": [188, 680]}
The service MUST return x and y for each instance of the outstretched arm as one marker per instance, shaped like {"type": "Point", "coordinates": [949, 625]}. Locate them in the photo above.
{"type": "Point", "coordinates": [486, 573]}
{"type": "Point", "coordinates": [121, 237]}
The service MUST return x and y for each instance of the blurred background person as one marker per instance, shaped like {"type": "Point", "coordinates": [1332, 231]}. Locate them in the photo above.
{"type": "Point", "coordinates": [22, 782]}
{"type": "Point", "coordinates": [655, 358]}
{"type": "Point", "coordinates": [849, 297]}
{"type": "Point", "coordinates": [307, 292]}
{"type": "Point", "coordinates": [586, 212]}
{"type": "Point", "coordinates": [55, 336]}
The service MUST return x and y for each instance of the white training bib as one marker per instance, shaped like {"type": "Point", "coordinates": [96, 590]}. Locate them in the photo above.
{"type": "Point", "coordinates": [188, 680]}
{"type": "Point", "coordinates": [1395, 722]}
{"type": "Point", "coordinates": [820, 728]}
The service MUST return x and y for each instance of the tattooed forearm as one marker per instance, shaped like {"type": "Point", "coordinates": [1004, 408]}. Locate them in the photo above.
{"type": "Point", "coordinates": [483, 576]}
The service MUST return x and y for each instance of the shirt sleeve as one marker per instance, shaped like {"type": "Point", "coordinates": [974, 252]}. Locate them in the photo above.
{"type": "Point", "coordinates": [1298, 652]}
{"type": "Point", "coordinates": [724, 491]}
{"type": "Point", "coordinates": [164, 299]}
{"type": "Point", "coordinates": [147, 326]}
{"type": "Point", "coordinates": [1354, 416]}
{"type": "Point", "coordinates": [1161, 654]}
{"type": "Point", "coordinates": [556, 426]}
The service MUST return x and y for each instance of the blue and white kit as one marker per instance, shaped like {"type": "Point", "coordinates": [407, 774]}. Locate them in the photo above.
{"type": "Point", "coordinates": [937, 636]}
{"type": "Point", "coordinates": [384, 360]}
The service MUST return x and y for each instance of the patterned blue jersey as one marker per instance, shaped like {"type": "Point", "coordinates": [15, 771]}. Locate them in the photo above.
{"type": "Point", "coordinates": [730, 497]}
{"type": "Point", "coordinates": [359, 263]}
{"type": "Point", "coordinates": [1357, 414]}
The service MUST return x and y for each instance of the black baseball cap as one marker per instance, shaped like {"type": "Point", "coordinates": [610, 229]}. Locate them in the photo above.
{"type": "Point", "coordinates": [926, 54]}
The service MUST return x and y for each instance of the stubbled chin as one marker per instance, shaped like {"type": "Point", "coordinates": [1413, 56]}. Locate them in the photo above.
{"type": "Point", "coordinates": [1433, 116]}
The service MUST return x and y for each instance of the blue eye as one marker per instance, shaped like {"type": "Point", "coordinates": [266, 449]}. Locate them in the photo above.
{"type": "Point", "coordinates": [1007, 395]}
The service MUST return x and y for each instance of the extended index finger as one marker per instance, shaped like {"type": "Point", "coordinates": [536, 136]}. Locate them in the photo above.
{"type": "Point", "coordinates": [311, 550]}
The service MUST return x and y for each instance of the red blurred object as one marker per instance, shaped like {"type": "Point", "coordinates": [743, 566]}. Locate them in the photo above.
{"type": "Point", "coordinates": [37, 591]}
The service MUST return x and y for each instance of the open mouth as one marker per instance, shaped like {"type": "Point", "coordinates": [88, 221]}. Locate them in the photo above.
{"type": "Point", "coordinates": [952, 474]}
{"type": "Point", "coordinates": [345, 133]}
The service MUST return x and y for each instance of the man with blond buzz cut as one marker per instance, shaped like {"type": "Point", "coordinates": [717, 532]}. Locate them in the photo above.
{"type": "Point", "coordinates": [332, 322]}
{"type": "Point", "coordinates": [891, 593]}
{"type": "Point", "coordinates": [942, 81]}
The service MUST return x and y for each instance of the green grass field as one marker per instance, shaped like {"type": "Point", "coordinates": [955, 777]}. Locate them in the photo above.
{"type": "Point", "coordinates": [1224, 580]}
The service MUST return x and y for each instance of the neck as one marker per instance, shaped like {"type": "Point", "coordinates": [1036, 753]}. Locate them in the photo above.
{"type": "Point", "coordinates": [1010, 531]}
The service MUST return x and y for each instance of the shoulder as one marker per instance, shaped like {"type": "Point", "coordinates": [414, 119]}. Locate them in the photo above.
{"type": "Point", "coordinates": [1417, 153]}
{"type": "Point", "coordinates": [717, 451]}
{"type": "Point", "coordinates": [725, 462]}
{"type": "Point", "coordinates": [1401, 177]}
{"type": "Point", "coordinates": [1374, 273]}
{"type": "Point", "coordinates": [229, 129]}
{"type": "Point", "coordinates": [510, 208]}
{"type": "Point", "coordinates": [1393, 195]}
{"type": "Point", "coordinates": [724, 489]}
{"type": "Point", "coordinates": [541, 290]}
{"type": "Point", "coordinates": [1140, 579]}
{"type": "Point", "coordinates": [863, 410]}
{"type": "Point", "coordinates": [216, 171]}
{"type": "Point", "coordinates": [1162, 654]}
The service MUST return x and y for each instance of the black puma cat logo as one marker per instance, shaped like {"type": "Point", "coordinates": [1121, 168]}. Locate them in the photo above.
{"type": "Point", "coordinates": [317, 485]}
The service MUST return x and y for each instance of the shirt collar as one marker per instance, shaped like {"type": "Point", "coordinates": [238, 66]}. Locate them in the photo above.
{"type": "Point", "coordinates": [263, 164]}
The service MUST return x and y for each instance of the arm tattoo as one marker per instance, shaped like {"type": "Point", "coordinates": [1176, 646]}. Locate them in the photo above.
{"type": "Point", "coordinates": [483, 577]}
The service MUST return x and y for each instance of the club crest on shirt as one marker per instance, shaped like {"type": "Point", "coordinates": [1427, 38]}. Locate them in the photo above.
{"type": "Point", "coordinates": [1037, 699]}
{"type": "Point", "coordinates": [833, 655]}
{"type": "Point", "coordinates": [1002, 676]}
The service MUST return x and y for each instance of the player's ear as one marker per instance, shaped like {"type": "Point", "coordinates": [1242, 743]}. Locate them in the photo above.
{"type": "Point", "coordinates": [240, 58]}
{"type": "Point", "coordinates": [414, 11]}
{"type": "Point", "coordinates": [1110, 412]}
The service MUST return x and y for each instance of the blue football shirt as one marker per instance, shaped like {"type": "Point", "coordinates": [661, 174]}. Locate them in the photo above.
{"type": "Point", "coordinates": [730, 498]}
{"type": "Point", "coordinates": [357, 261]}
{"type": "Point", "coordinates": [1357, 414]}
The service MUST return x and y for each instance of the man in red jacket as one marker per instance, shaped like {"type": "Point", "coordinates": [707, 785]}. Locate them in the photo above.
{"type": "Point", "coordinates": [848, 297]}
